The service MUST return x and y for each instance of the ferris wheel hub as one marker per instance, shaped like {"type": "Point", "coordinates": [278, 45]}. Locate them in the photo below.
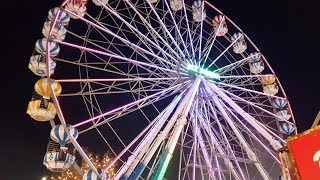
{"type": "Point", "coordinates": [204, 72]}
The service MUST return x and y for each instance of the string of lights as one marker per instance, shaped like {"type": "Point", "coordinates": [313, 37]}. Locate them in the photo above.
{"type": "Point", "coordinates": [98, 162]}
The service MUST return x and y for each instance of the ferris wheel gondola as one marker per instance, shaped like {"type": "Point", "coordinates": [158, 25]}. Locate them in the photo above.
{"type": "Point", "coordinates": [90, 175]}
{"type": "Point", "coordinates": [78, 7]}
{"type": "Point", "coordinates": [219, 25]}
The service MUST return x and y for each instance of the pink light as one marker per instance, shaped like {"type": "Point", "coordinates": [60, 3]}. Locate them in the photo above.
{"type": "Point", "coordinates": [132, 142]}
{"type": "Point", "coordinates": [122, 107]}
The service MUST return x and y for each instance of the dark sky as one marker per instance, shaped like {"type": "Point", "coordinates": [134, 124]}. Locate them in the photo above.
{"type": "Point", "coordinates": [287, 33]}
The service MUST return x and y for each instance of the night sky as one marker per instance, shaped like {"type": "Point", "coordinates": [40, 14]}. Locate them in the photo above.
{"type": "Point", "coordinates": [287, 33]}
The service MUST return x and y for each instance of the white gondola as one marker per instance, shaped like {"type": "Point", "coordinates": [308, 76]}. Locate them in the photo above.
{"type": "Point", "coordinates": [38, 66]}
{"type": "Point", "coordinates": [240, 45]}
{"type": "Point", "coordinates": [176, 5]}
{"type": "Point", "coordinates": [59, 134]}
{"type": "Point", "coordinates": [59, 31]}
{"type": "Point", "coordinates": [269, 85]}
{"type": "Point", "coordinates": [279, 103]}
{"type": "Point", "coordinates": [63, 17]}
{"type": "Point", "coordinates": [58, 160]}
{"type": "Point", "coordinates": [255, 57]}
{"type": "Point", "coordinates": [284, 114]}
{"type": "Point", "coordinates": [41, 46]}
{"type": "Point", "coordinates": [286, 128]}
{"type": "Point", "coordinates": [198, 11]}
{"type": "Point", "coordinates": [42, 87]}
{"type": "Point", "coordinates": [77, 7]}
{"type": "Point", "coordinates": [256, 65]}
{"type": "Point", "coordinates": [90, 175]}
{"type": "Point", "coordinates": [216, 21]}
{"type": "Point", "coordinates": [271, 89]}
{"type": "Point", "coordinates": [105, 2]}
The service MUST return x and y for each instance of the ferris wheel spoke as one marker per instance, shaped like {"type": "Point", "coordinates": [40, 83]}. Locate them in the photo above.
{"type": "Point", "coordinates": [195, 143]}
{"type": "Point", "coordinates": [249, 90]}
{"type": "Point", "coordinates": [177, 28]}
{"type": "Point", "coordinates": [251, 155]}
{"type": "Point", "coordinates": [105, 141]}
{"type": "Point", "coordinates": [214, 142]}
{"type": "Point", "coordinates": [117, 79]}
{"type": "Point", "coordinates": [153, 30]}
{"type": "Point", "coordinates": [90, 66]}
{"type": "Point", "coordinates": [106, 91]}
{"type": "Point", "coordinates": [121, 113]}
{"type": "Point", "coordinates": [183, 159]}
{"type": "Point", "coordinates": [141, 149]}
{"type": "Point", "coordinates": [235, 130]}
{"type": "Point", "coordinates": [113, 45]}
{"type": "Point", "coordinates": [117, 87]}
{"type": "Point", "coordinates": [248, 83]}
{"type": "Point", "coordinates": [200, 38]}
{"type": "Point", "coordinates": [206, 54]}
{"type": "Point", "coordinates": [133, 46]}
{"type": "Point", "coordinates": [195, 36]}
{"type": "Point", "coordinates": [253, 122]}
{"type": "Point", "coordinates": [188, 29]}
{"type": "Point", "coordinates": [92, 105]}
{"type": "Point", "coordinates": [138, 102]}
{"type": "Point", "coordinates": [115, 68]}
{"type": "Point", "coordinates": [264, 126]}
{"type": "Point", "coordinates": [185, 152]}
{"type": "Point", "coordinates": [204, 112]}
{"type": "Point", "coordinates": [256, 106]}
{"type": "Point", "coordinates": [203, 148]}
{"type": "Point", "coordinates": [183, 105]}
{"type": "Point", "coordinates": [114, 56]}
{"type": "Point", "coordinates": [166, 30]}
{"type": "Point", "coordinates": [275, 144]}
{"type": "Point", "coordinates": [234, 65]}
{"type": "Point", "coordinates": [256, 76]}
{"type": "Point", "coordinates": [223, 52]}
{"type": "Point", "coordinates": [153, 166]}
{"type": "Point", "coordinates": [250, 133]}
{"type": "Point", "coordinates": [172, 142]}
{"type": "Point", "coordinates": [205, 116]}
{"type": "Point", "coordinates": [187, 161]}
{"type": "Point", "coordinates": [111, 10]}
{"type": "Point", "coordinates": [251, 97]}
{"type": "Point", "coordinates": [129, 146]}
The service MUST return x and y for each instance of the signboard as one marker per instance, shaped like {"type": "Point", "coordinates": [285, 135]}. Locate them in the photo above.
{"type": "Point", "coordinates": [304, 150]}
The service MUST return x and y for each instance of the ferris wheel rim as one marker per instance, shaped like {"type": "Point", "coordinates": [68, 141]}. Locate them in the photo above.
{"type": "Point", "coordinates": [48, 58]}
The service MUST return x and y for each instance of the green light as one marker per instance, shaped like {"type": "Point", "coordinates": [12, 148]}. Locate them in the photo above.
{"type": "Point", "coordinates": [164, 168]}
{"type": "Point", "coordinates": [203, 72]}
{"type": "Point", "coordinates": [163, 165]}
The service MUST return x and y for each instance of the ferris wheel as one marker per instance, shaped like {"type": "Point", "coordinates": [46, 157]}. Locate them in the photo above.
{"type": "Point", "coordinates": [173, 89]}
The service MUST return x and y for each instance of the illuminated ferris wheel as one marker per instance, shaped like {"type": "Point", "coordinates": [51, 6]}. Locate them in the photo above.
{"type": "Point", "coordinates": [165, 85]}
